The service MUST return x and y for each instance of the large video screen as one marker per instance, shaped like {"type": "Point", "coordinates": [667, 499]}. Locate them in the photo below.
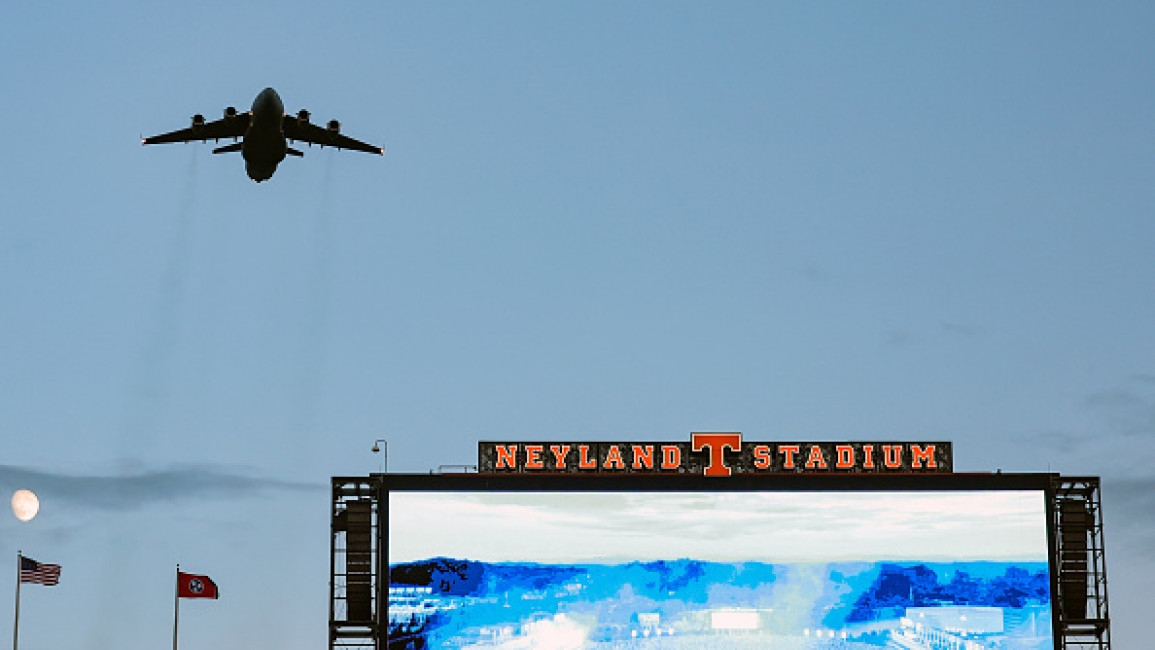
{"type": "Point", "coordinates": [719, 569]}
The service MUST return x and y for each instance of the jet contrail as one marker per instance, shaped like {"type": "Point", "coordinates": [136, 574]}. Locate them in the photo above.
{"type": "Point", "coordinates": [163, 332]}
{"type": "Point", "coordinates": [316, 322]}
{"type": "Point", "coordinates": [149, 388]}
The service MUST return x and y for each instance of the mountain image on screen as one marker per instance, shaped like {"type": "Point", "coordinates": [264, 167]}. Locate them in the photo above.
{"type": "Point", "coordinates": [685, 603]}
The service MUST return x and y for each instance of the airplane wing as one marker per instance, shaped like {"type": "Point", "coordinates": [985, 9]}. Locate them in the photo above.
{"type": "Point", "coordinates": [296, 128]}
{"type": "Point", "coordinates": [233, 126]}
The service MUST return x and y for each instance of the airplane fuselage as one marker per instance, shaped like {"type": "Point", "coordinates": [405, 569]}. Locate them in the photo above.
{"type": "Point", "coordinates": [264, 145]}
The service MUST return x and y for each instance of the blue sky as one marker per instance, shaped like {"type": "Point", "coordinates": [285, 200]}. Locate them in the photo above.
{"type": "Point", "coordinates": [837, 220]}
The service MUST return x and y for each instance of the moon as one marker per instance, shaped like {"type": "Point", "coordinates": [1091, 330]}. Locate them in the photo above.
{"type": "Point", "coordinates": [25, 505]}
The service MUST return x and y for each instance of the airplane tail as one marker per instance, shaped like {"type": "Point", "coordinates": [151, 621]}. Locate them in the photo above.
{"type": "Point", "coordinates": [236, 146]}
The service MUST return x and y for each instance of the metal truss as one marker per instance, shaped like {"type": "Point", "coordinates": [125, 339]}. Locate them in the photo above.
{"type": "Point", "coordinates": [355, 599]}
{"type": "Point", "coordinates": [1081, 605]}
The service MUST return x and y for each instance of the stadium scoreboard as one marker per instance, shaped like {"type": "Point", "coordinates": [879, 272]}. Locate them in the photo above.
{"type": "Point", "coordinates": [717, 542]}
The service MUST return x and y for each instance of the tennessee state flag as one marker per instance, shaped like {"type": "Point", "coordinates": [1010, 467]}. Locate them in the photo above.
{"type": "Point", "coordinates": [189, 585]}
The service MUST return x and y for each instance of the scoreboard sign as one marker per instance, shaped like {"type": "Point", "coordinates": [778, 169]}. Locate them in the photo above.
{"type": "Point", "coordinates": [714, 454]}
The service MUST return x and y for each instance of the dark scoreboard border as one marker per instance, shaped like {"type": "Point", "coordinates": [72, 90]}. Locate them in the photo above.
{"type": "Point", "coordinates": [690, 482]}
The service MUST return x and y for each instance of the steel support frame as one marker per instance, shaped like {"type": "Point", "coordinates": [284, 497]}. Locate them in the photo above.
{"type": "Point", "coordinates": [345, 634]}
{"type": "Point", "coordinates": [1094, 630]}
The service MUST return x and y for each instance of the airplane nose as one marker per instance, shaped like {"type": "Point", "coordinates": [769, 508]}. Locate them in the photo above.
{"type": "Point", "coordinates": [267, 107]}
{"type": "Point", "coordinates": [266, 99]}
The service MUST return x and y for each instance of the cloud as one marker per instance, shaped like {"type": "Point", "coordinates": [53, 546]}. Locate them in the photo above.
{"type": "Point", "coordinates": [959, 329]}
{"type": "Point", "coordinates": [899, 338]}
{"type": "Point", "coordinates": [1129, 409]}
{"type": "Point", "coordinates": [1129, 502]}
{"type": "Point", "coordinates": [1114, 435]}
{"type": "Point", "coordinates": [129, 491]}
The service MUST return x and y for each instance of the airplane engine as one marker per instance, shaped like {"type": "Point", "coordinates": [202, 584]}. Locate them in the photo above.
{"type": "Point", "coordinates": [334, 126]}
{"type": "Point", "coordinates": [303, 116]}
{"type": "Point", "coordinates": [198, 121]}
{"type": "Point", "coordinates": [231, 111]}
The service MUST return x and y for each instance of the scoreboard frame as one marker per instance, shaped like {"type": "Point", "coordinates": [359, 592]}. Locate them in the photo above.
{"type": "Point", "coordinates": [359, 518]}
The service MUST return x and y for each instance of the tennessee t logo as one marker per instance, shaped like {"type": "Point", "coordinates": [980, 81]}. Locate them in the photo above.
{"type": "Point", "coordinates": [716, 443]}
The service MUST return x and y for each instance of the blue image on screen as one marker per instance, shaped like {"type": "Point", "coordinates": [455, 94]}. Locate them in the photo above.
{"type": "Point", "coordinates": [457, 603]}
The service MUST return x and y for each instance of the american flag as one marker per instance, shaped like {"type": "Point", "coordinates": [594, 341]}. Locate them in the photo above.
{"type": "Point", "coordinates": [39, 572]}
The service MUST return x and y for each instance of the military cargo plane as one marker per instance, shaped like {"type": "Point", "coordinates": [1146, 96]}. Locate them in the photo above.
{"type": "Point", "coordinates": [265, 133]}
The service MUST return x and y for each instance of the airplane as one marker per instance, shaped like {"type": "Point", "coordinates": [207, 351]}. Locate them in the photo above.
{"type": "Point", "coordinates": [264, 131]}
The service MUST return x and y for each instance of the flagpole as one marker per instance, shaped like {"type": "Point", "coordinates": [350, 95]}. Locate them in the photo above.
{"type": "Point", "coordinates": [16, 621]}
{"type": "Point", "coordinates": [175, 606]}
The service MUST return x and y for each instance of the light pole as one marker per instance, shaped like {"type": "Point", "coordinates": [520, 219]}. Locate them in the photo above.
{"type": "Point", "coordinates": [381, 446]}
